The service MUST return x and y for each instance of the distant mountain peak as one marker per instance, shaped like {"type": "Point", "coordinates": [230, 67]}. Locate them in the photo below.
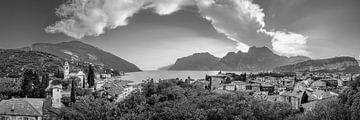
{"type": "Point", "coordinates": [255, 50]}
{"type": "Point", "coordinates": [257, 59]}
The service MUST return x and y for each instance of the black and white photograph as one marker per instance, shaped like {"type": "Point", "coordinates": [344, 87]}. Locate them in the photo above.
{"type": "Point", "coordinates": [179, 59]}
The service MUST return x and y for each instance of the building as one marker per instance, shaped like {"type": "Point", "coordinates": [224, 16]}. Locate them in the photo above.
{"type": "Point", "coordinates": [80, 74]}
{"type": "Point", "coordinates": [216, 80]}
{"type": "Point", "coordinates": [118, 90]}
{"type": "Point", "coordinates": [31, 108]}
{"type": "Point", "coordinates": [22, 109]}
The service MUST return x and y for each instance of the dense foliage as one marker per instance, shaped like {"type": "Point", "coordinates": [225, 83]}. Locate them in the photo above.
{"type": "Point", "coordinates": [10, 87]}
{"type": "Point", "coordinates": [13, 62]}
{"type": "Point", "coordinates": [174, 99]}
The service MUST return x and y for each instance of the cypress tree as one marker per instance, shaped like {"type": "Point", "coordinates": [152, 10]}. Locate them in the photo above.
{"type": "Point", "coordinates": [45, 81]}
{"type": "Point", "coordinates": [26, 83]}
{"type": "Point", "coordinates": [91, 77]}
{"type": "Point", "coordinates": [72, 95]}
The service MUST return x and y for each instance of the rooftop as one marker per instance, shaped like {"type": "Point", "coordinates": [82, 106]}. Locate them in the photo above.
{"type": "Point", "coordinates": [22, 106]}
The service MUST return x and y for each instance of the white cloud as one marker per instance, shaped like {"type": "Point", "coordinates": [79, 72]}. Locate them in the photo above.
{"type": "Point", "coordinates": [288, 43]}
{"type": "Point", "coordinates": [91, 17]}
{"type": "Point", "coordinates": [238, 20]}
{"type": "Point", "coordinates": [233, 18]}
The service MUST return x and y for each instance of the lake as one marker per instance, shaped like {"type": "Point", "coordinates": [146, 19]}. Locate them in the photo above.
{"type": "Point", "coordinates": [137, 77]}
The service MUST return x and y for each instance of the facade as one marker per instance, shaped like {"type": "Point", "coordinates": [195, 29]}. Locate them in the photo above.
{"type": "Point", "coordinates": [56, 96]}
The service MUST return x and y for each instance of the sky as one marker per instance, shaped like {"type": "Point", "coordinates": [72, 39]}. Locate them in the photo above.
{"type": "Point", "coordinates": [154, 33]}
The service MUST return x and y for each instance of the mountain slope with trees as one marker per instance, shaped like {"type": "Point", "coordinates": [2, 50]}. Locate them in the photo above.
{"type": "Point", "coordinates": [14, 62]}
{"type": "Point", "coordinates": [337, 64]}
{"type": "Point", "coordinates": [79, 51]}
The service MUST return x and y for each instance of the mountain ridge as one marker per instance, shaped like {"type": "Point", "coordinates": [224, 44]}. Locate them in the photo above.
{"type": "Point", "coordinates": [256, 59]}
{"type": "Point", "coordinates": [79, 51]}
{"type": "Point", "coordinates": [335, 64]}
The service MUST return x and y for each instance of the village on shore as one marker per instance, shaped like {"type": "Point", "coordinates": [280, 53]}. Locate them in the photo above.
{"type": "Point", "coordinates": [301, 90]}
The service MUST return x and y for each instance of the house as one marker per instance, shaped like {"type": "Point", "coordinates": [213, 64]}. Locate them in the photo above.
{"type": "Point", "coordinates": [306, 98]}
{"type": "Point", "coordinates": [118, 89]}
{"type": "Point", "coordinates": [216, 80]}
{"type": "Point", "coordinates": [240, 85]}
{"type": "Point", "coordinates": [21, 109]}
{"type": "Point", "coordinates": [252, 87]}
{"type": "Point", "coordinates": [297, 98]}
{"type": "Point", "coordinates": [270, 89]}
{"type": "Point", "coordinates": [292, 97]}
{"type": "Point", "coordinates": [31, 108]}
{"type": "Point", "coordinates": [320, 85]}
{"type": "Point", "coordinates": [287, 82]}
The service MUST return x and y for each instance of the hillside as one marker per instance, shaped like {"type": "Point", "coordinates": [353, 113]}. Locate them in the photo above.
{"type": "Point", "coordinates": [13, 62]}
{"type": "Point", "coordinates": [337, 64]}
{"type": "Point", "coordinates": [197, 61]}
{"type": "Point", "coordinates": [257, 59]}
{"type": "Point", "coordinates": [79, 51]}
{"type": "Point", "coordinates": [165, 67]}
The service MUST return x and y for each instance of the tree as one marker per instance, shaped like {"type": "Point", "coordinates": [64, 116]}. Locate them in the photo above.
{"type": "Point", "coordinates": [91, 77]}
{"type": "Point", "coordinates": [73, 88]}
{"type": "Point", "coordinates": [59, 74]}
{"type": "Point", "coordinates": [10, 87]}
{"type": "Point", "coordinates": [45, 81]}
{"type": "Point", "coordinates": [354, 83]}
{"type": "Point", "coordinates": [27, 81]}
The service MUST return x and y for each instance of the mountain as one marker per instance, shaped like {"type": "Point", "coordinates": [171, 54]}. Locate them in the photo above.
{"type": "Point", "coordinates": [337, 64]}
{"type": "Point", "coordinates": [257, 59]}
{"type": "Point", "coordinates": [165, 67]}
{"type": "Point", "coordinates": [197, 61]}
{"type": "Point", "coordinates": [13, 62]}
{"type": "Point", "coordinates": [79, 51]}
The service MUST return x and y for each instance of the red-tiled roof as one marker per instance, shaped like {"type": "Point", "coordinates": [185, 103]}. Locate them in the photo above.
{"type": "Point", "coordinates": [22, 106]}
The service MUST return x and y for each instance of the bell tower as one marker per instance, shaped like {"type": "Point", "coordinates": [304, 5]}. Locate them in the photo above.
{"type": "Point", "coordinates": [66, 70]}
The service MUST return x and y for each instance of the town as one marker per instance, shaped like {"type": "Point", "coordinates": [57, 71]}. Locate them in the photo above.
{"type": "Point", "coordinates": [300, 90]}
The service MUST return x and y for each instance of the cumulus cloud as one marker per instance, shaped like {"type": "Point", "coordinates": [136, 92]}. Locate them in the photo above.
{"type": "Point", "coordinates": [234, 18]}
{"type": "Point", "coordinates": [238, 20]}
{"type": "Point", "coordinates": [288, 43]}
{"type": "Point", "coordinates": [92, 17]}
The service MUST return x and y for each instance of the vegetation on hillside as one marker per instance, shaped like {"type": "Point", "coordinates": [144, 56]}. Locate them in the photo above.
{"type": "Point", "coordinates": [14, 62]}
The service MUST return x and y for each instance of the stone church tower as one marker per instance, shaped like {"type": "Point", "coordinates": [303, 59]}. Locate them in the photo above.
{"type": "Point", "coordinates": [66, 70]}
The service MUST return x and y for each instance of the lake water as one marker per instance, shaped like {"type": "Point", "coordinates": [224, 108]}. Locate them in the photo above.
{"type": "Point", "coordinates": [137, 77]}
